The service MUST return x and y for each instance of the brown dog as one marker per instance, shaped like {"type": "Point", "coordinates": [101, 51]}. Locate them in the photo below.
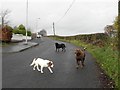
{"type": "Point", "coordinates": [80, 57]}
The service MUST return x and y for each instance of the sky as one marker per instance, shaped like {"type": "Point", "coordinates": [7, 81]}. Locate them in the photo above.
{"type": "Point", "coordinates": [82, 17]}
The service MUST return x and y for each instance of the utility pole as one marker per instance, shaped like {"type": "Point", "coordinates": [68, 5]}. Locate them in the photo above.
{"type": "Point", "coordinates": [26, 42]}
{"type": "Point", "coordinates": [37, 25]}
{"type": "Point", "coordinates": [53, 29]}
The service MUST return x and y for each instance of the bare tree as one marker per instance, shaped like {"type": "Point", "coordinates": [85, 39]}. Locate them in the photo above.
{"type": "Point", "coordinates": [3, 15]}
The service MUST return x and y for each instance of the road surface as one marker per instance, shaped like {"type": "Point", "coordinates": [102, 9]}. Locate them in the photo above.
{"type": "Point", "coordinates": [18, 74]}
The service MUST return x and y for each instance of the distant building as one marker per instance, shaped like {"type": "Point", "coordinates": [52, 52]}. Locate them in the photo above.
{"type": "Point", "coordinates": [34, 35]}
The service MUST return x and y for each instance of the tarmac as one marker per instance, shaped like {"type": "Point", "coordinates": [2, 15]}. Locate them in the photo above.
{"type": "Point", "coordinates": [17, 47]}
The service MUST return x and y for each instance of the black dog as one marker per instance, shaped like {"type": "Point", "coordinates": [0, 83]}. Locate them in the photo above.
{"type": "Point", "coordinates": [58, 46]}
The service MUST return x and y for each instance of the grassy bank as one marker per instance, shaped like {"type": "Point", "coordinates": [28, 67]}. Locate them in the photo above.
{"type": "Point", "coordinates": [106, 57]}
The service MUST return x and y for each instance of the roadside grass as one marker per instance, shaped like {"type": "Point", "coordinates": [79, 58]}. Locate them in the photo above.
{"type": "Point", "coordinates": [3, 44]}
{"type": "Point", "coordinates": [108, 61]}
{"type": "Point", "coordinates": [106, 57]}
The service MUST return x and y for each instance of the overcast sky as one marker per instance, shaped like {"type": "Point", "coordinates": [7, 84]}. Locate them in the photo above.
{"type": "Point", "coordinates": [84, 17]}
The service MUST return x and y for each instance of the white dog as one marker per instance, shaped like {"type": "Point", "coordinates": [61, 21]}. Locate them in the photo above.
{"type": "Point", "coordinates": [42, 63]}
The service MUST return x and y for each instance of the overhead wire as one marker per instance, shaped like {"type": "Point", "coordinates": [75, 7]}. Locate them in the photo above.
{"type": "Point", "coordinates": [70, 6]}
{"type": "Point", "coordinates": [66, 11]}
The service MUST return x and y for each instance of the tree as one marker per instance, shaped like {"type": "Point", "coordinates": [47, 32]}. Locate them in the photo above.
{"type": "Point", "coordinates": [116, 23]}
{"type": "Point", "coordinates": [21, 27]}
{"type": "Point", "coordinates": [29, 33]}
{"type": "Point", "coordinates": [43, 32]}
{"type": "Point", "coordinates": [21, 30]}
{"type": "Point", "coordinates": [3, 15]}
{"type": "Point", "coordinates": [5, 30]}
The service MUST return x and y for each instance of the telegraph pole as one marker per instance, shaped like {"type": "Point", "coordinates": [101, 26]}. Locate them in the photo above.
{"type": "Point", "coordinates": [53, 29]}
{"type": "Point", "coordinates": [37, 25]}
{"type": "Point", "coordinates": [26, 42]}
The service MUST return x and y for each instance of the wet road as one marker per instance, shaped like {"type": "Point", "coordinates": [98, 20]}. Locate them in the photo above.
{"type": "Point", "coordinates": [18, 74]}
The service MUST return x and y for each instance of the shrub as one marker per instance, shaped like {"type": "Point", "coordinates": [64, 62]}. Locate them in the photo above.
{"type": "Point", "coordinates": [6, 34]}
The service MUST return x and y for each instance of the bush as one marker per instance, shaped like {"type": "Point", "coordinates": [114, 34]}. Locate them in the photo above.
{"type": "Point", "coordinates": [29, 33]}
{"type": "Point", "coordinates": [23, 32]}
{"type": "Point", "coordinates": [15, 31]}
{"type": "Point", "coordinates": [6, 34]}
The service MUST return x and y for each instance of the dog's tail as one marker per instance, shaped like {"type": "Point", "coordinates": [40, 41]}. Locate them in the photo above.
{"type": "Point", "coordinates": [33, 62]}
